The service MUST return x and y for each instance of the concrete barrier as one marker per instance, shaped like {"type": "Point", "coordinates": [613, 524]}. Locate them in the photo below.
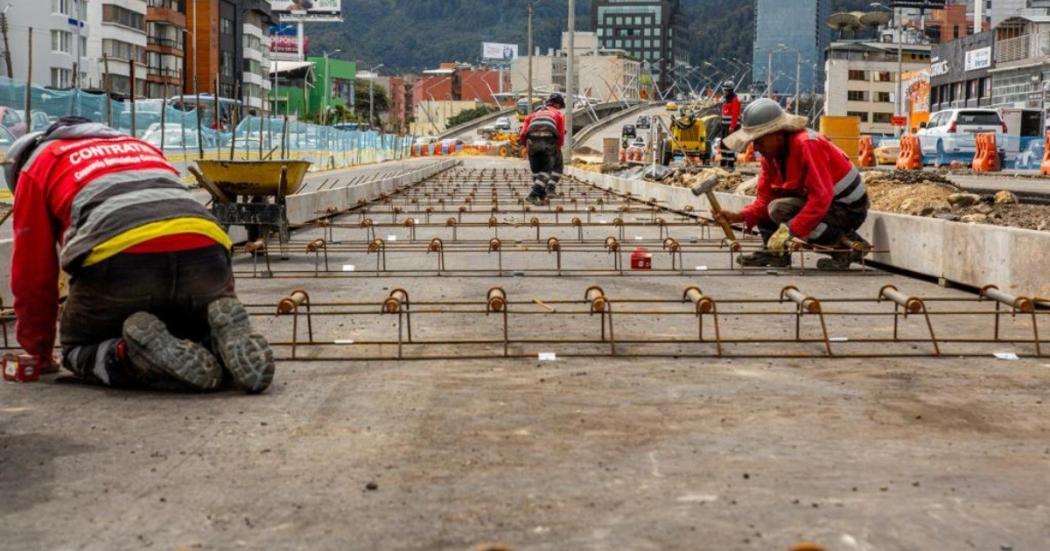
{"type": "Point", "coordinates": [304, 208]}
{"type": "Point", "coordinates": [1017, 260]}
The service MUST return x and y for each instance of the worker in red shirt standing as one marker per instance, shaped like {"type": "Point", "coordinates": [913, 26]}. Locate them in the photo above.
{"type": "Point", "coordinates": [543, 134]}
{"type": "Point", "coordinates": [807, 189]}
{"type": "Point", "coordinates": [730, 122]}
{"type": "Point", "coordinates": [151, 283]}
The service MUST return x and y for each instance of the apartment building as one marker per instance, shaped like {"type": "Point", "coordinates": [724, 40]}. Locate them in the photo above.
{"type": "Point", "coordinates": [862, 80]}
{"type": "Point", "coordinates": [59, 41]}
{"type": "Point", "coordinates": [165, 47]}
{"type": "Point", "coordinates": [230, 52]}
{"type": "Point", "coordinates": [117, 45]}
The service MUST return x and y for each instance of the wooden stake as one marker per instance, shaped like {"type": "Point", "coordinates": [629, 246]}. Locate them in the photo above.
{"type": "Point", "coordinates": [109, 89]}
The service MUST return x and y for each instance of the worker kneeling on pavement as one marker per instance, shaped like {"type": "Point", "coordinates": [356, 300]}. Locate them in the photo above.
{"type": "Point", "coordinates": [543, 132]}
{"type": "Point", "coordinates": [808, 190]}
{"type": "Point", "coordinates": [151, 285]}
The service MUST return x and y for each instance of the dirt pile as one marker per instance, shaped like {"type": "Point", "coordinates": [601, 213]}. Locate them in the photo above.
{"type": "Point", "coordinates": [689, 177]}
{"type": "Point", "coordinates": [930, 194]}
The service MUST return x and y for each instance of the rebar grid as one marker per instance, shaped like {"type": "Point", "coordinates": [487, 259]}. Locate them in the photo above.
{"type": "Point", "coordinates": [792, 306]}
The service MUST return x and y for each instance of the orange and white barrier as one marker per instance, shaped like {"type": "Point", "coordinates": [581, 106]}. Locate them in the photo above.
{"type": "Point", "coordinates": [866, 155]}
{"type": "Point", "coordinates": [910, 157]}
{"type": "Point", "coordinates": [986, 158]}
{"type": "Point", "coordinates": [1044, 167]}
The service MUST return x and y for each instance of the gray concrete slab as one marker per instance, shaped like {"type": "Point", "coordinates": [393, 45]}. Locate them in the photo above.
{"type": "Point", "coordinates": [593, 453]}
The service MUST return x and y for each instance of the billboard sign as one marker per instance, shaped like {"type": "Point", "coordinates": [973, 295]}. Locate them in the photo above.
{"type": "Point", "coordinates": [307, 10]}
{"type": "Point", "coordinates": [498, 51]}
{"type": "Point", "coordinates": [284, 43]}
{"type": "Point", "coordinates": [981, 58]}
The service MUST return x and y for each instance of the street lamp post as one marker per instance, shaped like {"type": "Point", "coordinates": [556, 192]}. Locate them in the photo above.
{"type": "Point", "coordinates": [570, 74]}
{"type": "Point", "coordinates": [327, 85]}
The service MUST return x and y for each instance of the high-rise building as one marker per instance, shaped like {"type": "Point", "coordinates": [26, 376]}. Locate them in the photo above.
{"type": "Point", "coordinates": [165, 48]}
{"type": "Point", "coordinates": [786, 30]}
{"type": "Point", "coordinates": [229, 46]}
{"type": "Point", "coordinates": [118, 43]}
{"type": "Point", "coordinates": [652, 31]}
{"type": "Point", "coordinates": [59, 40]}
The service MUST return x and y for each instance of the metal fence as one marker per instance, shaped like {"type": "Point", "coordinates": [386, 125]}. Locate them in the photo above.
{"type": "Point", "coordinates": [187, 128]}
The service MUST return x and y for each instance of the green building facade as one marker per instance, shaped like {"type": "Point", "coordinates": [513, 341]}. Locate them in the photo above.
{"type": "Point", "coordinates": [329, 83]}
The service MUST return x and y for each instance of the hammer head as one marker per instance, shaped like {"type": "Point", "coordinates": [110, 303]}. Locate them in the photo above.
{"type": "Point", "coordinates": [706, 185]}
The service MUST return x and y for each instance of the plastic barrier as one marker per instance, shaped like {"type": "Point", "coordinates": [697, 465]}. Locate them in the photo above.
{"type": "Point", "coordinates": [866, 156]}
{"type": "Point", "coordinates": [986, 158]}
{"type": "Point", "coordinates": [1044, 167]}
{"type": "Point", "coordinates": [844, 132]}
{"type": "Point", "coordinates": [910, 157]}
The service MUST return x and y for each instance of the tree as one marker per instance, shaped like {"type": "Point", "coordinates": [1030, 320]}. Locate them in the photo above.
{"type": "Point", "coordinates": [361, 96]}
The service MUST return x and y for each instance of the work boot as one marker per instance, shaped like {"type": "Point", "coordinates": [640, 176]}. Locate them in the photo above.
{"type": "Point", "coordinates": [246, 354]}
{"type": "Point", "coordinates": [840, 261]}
{"type": "Point", "coordinates": [157, 355]}
{"type": "Point", "coordinates": [537, 195]}
{"type": "Point", "coordinates": [551, 189]}
{"type": "Point", "coordinates": [765, 258]}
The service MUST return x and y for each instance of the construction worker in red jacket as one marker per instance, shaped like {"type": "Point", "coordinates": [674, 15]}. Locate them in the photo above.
{"type": "Point", "coordinates": [151, 286]}
{"type": "Point", "coordinates": [730, 122]}
{"type": "Point", "coordinates": [807, 190]}
{"type": "Point", "coordinates": [543, 133]}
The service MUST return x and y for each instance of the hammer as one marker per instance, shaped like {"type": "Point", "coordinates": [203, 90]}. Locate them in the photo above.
{"type": "Point", "coordinates": [707, 187]}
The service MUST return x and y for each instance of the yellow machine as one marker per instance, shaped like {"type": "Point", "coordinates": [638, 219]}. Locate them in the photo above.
{"type": "Point", "coordinates": [689, 137]}
{"type": "Point", "coordinates": [523, 109]}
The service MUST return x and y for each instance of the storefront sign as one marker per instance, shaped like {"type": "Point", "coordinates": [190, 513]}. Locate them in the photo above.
{"type": "Point", "coordinates": [981, 58]}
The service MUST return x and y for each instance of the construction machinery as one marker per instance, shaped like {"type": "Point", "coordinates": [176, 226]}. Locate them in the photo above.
{"type": "Point", "coordinates": [689, 137]}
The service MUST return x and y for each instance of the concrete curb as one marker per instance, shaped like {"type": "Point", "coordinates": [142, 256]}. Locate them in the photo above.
{"type": "Point", "coordinates": [307, 207]}
{"type": "Point", "coordinates": [1017, 260]}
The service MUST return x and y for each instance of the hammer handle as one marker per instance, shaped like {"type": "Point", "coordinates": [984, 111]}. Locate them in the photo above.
{"type": "Point", "coordinates": [716, 208]}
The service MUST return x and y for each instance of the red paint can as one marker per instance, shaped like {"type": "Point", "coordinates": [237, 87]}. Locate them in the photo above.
{"type": "Point", "coordinates": [21, 369]}
{"type": "Point", "coordinates": [641, 259]}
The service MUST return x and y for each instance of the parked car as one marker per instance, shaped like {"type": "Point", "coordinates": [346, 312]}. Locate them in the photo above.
{"type": "Point", "coordinates": [175, 137]}
{"type": "Point", "coordinates": [503, 124]}
{"type": "Point", "coordinates": [13, 121]}
{"type": "Point", "coordinates": [950, 134]}
{"type": "Point", "coordinates": [644, 122]}
{"type": "Point", "coordinates": [887, 151]}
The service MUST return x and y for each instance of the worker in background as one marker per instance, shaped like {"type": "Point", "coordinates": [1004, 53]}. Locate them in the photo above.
{"type": "Point", "coordinates": [807, 189]}
{"type": "Point", "coordinates": [730, 122]}
{"type": "Point", "coordinates": [543, 132]}
{"type": "Point", "coordinates": [151, 284]}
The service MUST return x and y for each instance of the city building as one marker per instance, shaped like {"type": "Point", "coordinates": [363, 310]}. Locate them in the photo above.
{"type": "Point", "coordinates": [1021, 71]}
{"type": "Point", "coordinates": [255, 53]}
{"type": "Point", "coordinates": [862, 80]}
{"type": "Point", "coordinates": [652, 31]}
{"type": "Point", "coordinates": [230, 47]}
{"type": "Point", "coordinates": [785, 31]}
{"type": "Point", "coordinates": [165, 48]}
{"type": "Point", "coordinates": [548, 73]}
{"type": "Point", "coordinates": [335, 80]}
{"type": "Point", "coordinates": [948, 24]}
{"type": "Point", "coordinates": [602, 74]}
{"type": "Point", "coordinates": [117, 43]}
{"type": "Point", "coordinates": [396, 118]}
{"type": "Point", "coordinates": [460, 82]}
{"type": "Point", "coordinates": [961, 73]}
{"type": "Point", "coordinates": [431, 117]}
{"type": "Point", "coordinates": [59, 40]}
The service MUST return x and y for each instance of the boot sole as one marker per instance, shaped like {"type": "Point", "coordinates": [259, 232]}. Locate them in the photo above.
{"type": "Point", "coordinates": [246, 355]}
{"type": "Point", "coordinates": [153, 349]}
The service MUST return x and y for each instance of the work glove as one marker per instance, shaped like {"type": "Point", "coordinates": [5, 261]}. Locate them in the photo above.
{"type": "Point", "coordinates": [779, 240]}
